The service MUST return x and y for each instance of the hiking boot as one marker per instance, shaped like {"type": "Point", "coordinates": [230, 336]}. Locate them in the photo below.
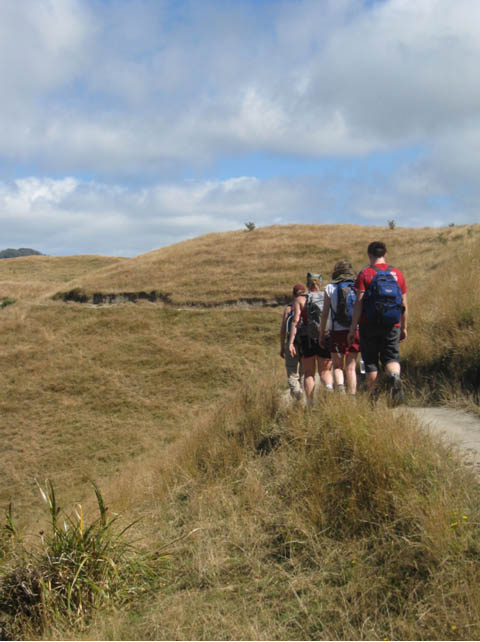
{"type": "Point", "coordinates": [341, 389]}
{"type": "Point", "coordinates": [397, 393]}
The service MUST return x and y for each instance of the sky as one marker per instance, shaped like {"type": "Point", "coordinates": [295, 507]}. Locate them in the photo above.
{"type": "Point", "coordinates": [128, 125]}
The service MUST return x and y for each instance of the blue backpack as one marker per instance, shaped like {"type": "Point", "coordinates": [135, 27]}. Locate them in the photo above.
{"type": "Point", "coordinates": [382, 301]}
{"type": "Point", "coordinates": [346, 297]}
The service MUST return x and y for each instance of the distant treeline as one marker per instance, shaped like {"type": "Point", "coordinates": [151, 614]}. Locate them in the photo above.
{"type": "Point", "coordinates": [10, 253]}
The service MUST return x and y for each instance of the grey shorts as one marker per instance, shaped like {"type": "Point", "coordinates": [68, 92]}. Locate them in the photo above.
{"type": "Point", "coordinates": [379, 343]}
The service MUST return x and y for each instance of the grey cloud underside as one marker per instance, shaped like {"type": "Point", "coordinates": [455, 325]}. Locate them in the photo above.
{"type": "Point", "coordinates": [131, 85]}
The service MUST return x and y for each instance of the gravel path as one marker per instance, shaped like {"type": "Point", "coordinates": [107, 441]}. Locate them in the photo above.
{"type": "Point", "coordinates": [455, 426]}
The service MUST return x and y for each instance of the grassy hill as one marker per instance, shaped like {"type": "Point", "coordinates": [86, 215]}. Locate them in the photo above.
{"type": "Point", "coordinates": [262, 264]}
{"type": "Point", "coordinates": [171, 405]}
{"type": "Point", "coordinates": [29, 277]}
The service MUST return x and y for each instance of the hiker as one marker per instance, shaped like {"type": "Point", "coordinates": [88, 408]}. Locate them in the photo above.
{"type": "Point", "coordinates": [340, 297]}
{"type": "Point", "coordinates": [306, 323]}
{"type": "Point", "coordinates": [382, 314]}
{"type": "Point", "coordinates": [292, 364]}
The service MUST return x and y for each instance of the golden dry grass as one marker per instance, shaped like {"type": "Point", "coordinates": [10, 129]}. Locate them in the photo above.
{"type": "Point", "coordinates": [28, 277]}
{"type": "Point", "coordinates": [443, 351]}
{"type": "Point", "coordinates": [86, 389]}
{"type": "Point", "coordinates": [141, 397]}
{"type": "Point", "coordinates": [354, 526]}
{"type": "Point", "coordinates": [266, 262]}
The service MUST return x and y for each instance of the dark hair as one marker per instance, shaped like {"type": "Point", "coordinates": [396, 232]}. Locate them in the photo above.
{"type": "Point", "coordinates": [377, 249]}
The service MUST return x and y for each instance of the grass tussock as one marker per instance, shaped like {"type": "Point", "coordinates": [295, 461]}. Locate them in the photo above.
{"type": "Point", "coordinates": [76, 568]}
{"type": "Point", "coordinates": [343, 523]}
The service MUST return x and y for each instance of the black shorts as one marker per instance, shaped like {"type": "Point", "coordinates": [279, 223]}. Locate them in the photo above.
{"type": "Point", "coordinates": [311, 348]}
{"type": "Point", "coordinates": [379, 343]}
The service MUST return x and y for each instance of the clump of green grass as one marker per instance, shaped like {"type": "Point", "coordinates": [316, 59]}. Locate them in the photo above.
{"type": "Point", "coordinates": [77, 568]}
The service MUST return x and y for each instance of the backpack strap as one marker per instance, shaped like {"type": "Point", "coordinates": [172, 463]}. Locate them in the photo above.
{"type": "Point", "coordinates": [332, 311]}
{"type": "Point", "coordinates": [304, 311]}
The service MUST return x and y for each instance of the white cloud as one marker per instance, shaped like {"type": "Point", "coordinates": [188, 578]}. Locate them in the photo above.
{"type": "Point", "coordinates": [141, 86]}
{"type": "Point", "coordinates": [69, 216]}
{"type": "Point", "coordinates": [141, 92]}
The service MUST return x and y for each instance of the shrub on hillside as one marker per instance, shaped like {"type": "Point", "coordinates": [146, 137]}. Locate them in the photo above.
{"type": "Point", "coordinates": [11, 253]}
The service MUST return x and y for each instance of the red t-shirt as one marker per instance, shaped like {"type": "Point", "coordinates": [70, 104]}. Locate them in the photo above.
{"type": "Point", "coordinates": [366, 276]}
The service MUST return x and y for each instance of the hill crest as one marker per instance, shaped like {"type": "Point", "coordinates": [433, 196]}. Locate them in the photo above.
{"type": "Point", "coordinates": [257, 267]}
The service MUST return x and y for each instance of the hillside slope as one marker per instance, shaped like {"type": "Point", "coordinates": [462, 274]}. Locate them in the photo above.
{"type": "Point", "coordinates": [113, 392]}
{"type": "Point", "coordinates": [79, 379]}
{"type": "Point", "coordinates": [28, 277]}
{"type": "Point", "coordinates": [263, 264]}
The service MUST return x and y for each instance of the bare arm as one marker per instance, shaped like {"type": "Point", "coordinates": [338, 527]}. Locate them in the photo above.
{"type": "Point", "coordinates": [293, 331]}
{"type": "Point", "coordinates": [357, 313]}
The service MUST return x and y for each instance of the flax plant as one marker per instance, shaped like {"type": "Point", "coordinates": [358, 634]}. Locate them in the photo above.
{"type": "Point", "coordinates": [78, 567]}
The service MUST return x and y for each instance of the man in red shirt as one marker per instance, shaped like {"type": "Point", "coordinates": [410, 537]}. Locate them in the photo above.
{"type": "Point", "coordinates": [379, 342]}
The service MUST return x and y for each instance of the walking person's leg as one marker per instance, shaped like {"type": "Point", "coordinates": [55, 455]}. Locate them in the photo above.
{"type": "Point", "coordinates": [338, 376]}
{"type": "Point", "coordinates": [351, 358]}
{"type": "Point", "coordinates": [308, 364]}
{"type": "Point", "coordinates": [390, 358]}
{"type": "Point", "coordinates": [325, 372]}
{"type": "Point", "coordinates": [301, 376]}
{"type": "Point", "coordinates": [370, 346]}
{"type": "Point", "coordinates": [292, 365]}
{"type": "Point", "coordinates": [351, 372]}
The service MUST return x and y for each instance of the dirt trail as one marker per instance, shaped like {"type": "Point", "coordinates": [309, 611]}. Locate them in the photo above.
{"type": "Point", "coordinates": [454, 426]}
